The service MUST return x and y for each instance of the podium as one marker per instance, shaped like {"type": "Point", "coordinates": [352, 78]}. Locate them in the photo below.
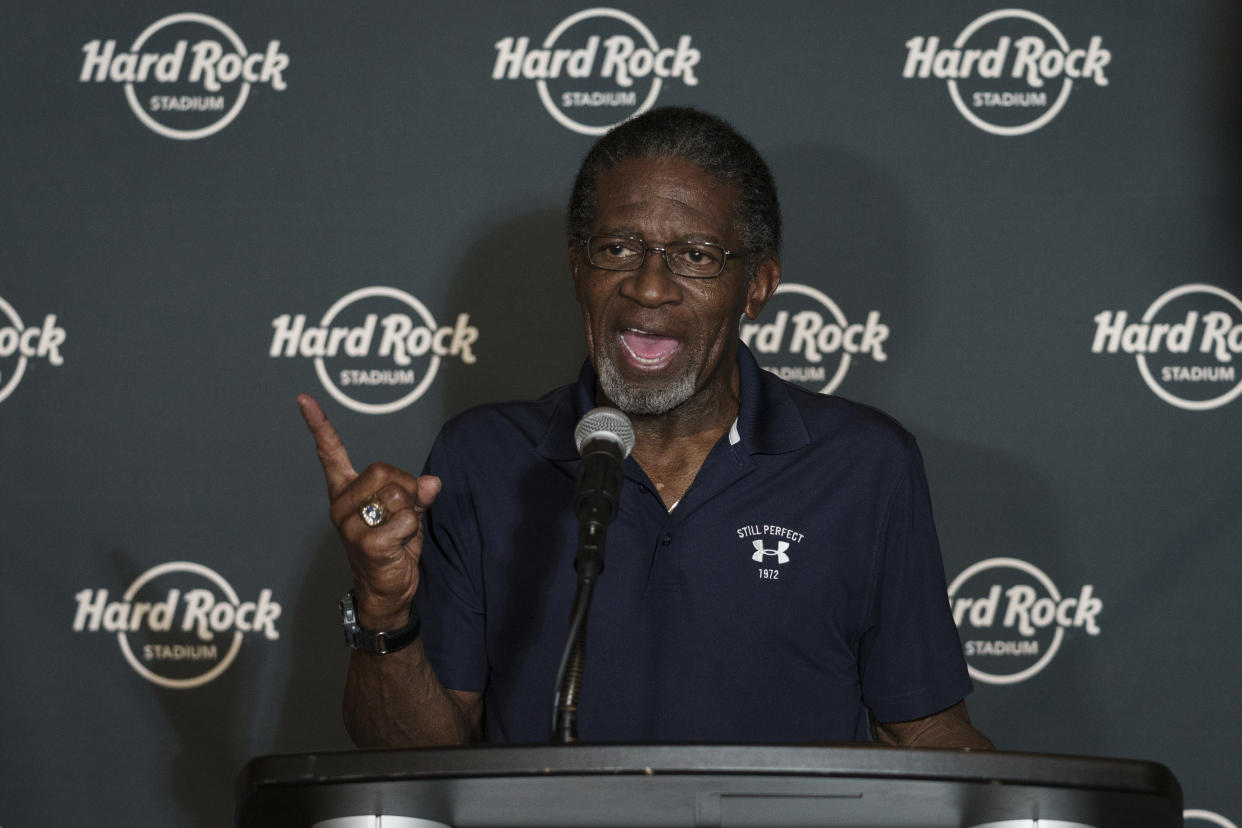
{"type": "Point", "coordinates": [860, 786]}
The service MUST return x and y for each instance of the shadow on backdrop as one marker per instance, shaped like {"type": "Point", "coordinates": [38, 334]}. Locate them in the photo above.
{"type": "Point", "coordinates": [515, 282]}
{"type": "Point", "coordinates": [1229, 82]}
{"type": "Point", "coordinates": [847, 232]}
{"type": "Point", "coordinates": [310, 715]}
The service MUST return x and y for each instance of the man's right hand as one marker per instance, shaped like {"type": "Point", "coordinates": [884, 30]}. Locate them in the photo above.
{"type": "Point", "coordinates": [384, 558]}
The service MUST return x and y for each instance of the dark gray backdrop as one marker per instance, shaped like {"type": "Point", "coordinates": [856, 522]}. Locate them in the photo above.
{"type": "Point", "coordinates": [167, 433]}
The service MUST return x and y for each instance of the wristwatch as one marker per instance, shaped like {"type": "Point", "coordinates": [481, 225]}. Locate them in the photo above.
{"type": "Point", "coordinates": [379, 643]}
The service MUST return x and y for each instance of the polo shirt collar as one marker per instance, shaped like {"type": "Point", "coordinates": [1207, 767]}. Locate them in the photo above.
{"type": "Point", "coordinates": [558, 440]}
{"type": "Point", "coordinates": [768, 420]}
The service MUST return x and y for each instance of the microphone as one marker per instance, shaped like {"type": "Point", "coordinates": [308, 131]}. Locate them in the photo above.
{"type": "Point", "coordinates": [604, 437]}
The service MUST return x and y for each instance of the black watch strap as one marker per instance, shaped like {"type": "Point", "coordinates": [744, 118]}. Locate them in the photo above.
{"type": "Point", "coordinates": [369, 641]}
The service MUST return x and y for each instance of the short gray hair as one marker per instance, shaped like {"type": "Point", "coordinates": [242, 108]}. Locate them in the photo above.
{"type": "Point", "coordinates": [702, 139]}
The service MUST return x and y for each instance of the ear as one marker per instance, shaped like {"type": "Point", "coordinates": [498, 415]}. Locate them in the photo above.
{"type": "Point", "coordinates": [761, 287]}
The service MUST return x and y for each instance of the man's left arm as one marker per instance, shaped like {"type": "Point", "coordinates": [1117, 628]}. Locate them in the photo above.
{"type": "Point", "coordinates": [950, 728]}
{"type": "Point", "coordinates": [914, 664]}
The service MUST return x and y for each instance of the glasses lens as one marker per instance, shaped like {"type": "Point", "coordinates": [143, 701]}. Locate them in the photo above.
{"type": "Point", "coordinates": [615, 252]}
{"type": "Point", "coordinates": [699, 261]}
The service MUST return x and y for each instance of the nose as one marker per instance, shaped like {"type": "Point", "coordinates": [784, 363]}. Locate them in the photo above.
{"type": "Point", "coordinates": [653, 284]}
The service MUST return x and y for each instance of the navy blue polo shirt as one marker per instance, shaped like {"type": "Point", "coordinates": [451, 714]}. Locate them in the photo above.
{"type": "Point", "coordinates": [797, 583]}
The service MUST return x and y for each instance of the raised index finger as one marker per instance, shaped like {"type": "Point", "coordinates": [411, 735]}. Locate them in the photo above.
{"type": "Point", "coordinates": [337, 470]}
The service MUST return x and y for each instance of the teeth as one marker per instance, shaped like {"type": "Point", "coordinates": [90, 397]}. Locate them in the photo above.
{"type": "Point", "coordinates": [640, 359]}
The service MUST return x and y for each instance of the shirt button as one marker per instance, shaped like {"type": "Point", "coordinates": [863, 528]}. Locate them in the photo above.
{"type": "Point", "coordinates": [668, 539]}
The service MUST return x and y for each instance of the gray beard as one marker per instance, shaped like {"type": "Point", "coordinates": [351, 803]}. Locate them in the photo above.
{"type": "Point", "coordinates": [642, 400]}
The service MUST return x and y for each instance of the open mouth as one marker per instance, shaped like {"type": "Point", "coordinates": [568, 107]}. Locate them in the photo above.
{"type": "Point", "coordinates": [647, 350]}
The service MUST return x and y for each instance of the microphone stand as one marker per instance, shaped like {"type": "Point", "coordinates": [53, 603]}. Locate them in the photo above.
{"type": "Point", "coordinates": [593, 517]}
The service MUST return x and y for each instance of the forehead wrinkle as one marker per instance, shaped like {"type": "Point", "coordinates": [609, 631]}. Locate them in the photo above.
{"type": "Point", "coordinates": [631, 232]}
{"type": "Point", "coordinates": [664, 194]}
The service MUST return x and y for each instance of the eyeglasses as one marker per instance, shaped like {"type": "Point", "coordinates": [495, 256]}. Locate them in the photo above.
{"type": "Point", "coordinates": [696, 260]}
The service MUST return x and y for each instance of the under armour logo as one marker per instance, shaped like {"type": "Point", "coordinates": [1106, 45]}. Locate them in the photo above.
{"type": "Point", "coordinates": [779, 551]}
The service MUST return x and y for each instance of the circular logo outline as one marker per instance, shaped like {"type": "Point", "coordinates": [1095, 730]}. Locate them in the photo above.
{"type": "Point", "coordinates": [577, 17]}
{"type": "Point", "coordinates": [221, 665]}
{"type": "Point", "coordinates": [210, 129]}
{"type": "Point", "coordinates": [1141, 359]}
{"type": "Point", "coordinates": [1042, 120]}
{"type": "Point", "coordinates": [1208, 816]}
{"type": "Point", "coordinates": [9, 386]}
{"type": "Point", "coordinates": [837, 314]}
{"type": "Point", "coordinates": [378, 408]}
{"type": "Point", "coordinates": [1036, 573]}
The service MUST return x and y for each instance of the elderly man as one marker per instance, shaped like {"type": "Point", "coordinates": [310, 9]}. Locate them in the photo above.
{"type": "Point", "coordinates": [773, 572]}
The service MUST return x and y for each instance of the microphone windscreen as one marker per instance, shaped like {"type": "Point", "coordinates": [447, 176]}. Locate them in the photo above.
{"type": "Point", "coordinates": [605, 423]}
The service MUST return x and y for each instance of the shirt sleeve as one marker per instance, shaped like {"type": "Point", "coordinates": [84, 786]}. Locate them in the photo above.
{"type": "Point", "coordinates": [449, 596]}
{"type": "Point", "coordinates": [911, 659]}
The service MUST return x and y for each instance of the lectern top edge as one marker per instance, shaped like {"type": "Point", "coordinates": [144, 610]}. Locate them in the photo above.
{"type": "Point", "coordinates": [843, 760]}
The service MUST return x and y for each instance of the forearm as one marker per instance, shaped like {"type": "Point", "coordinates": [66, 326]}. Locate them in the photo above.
{"type": "Point", "coordinates": [950, 728]}
{"type": "Point", "coordinates": [391, 700]}
{"type": "Point", "coordinates": [396, 700]}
